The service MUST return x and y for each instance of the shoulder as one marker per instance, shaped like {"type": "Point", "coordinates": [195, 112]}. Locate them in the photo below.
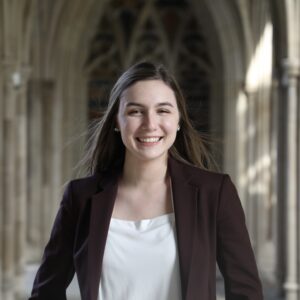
{"type": "Point", "coordinates": [86, 187]}
{"type": "Point", "coordinates": [83, 184]}
{"type": "Point", "coordinates": [196, 176]}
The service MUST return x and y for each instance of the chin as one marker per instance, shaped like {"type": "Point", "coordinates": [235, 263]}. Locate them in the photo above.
{"type": "Point", "coordinates": [153, 157]}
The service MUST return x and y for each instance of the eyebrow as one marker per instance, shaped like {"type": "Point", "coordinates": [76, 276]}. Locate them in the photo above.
{"type": "Point", "coordinates": [141, 105]}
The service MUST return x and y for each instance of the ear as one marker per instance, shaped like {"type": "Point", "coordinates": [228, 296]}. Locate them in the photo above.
{"type": "Point", "coordinates": [117, 123]}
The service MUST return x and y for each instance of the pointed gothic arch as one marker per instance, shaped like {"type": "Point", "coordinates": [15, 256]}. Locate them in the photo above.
{"type": "Point", "coordinates": [134, 32]}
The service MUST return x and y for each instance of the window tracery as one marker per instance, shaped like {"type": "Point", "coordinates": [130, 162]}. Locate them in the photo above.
{"type": "Point", "coordinates": [161, 31]}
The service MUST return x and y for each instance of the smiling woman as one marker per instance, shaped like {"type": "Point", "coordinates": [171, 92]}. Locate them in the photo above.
{"type": "Point", "coordinates": [149, 222]}
{"type": "Point", "coordinates": [148, 119]}
{"type": "Point", "coordinates": [152, 83]}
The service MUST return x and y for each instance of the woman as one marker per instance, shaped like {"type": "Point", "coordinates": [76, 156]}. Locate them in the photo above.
{"type": "Point", "coordinates": [150, 222]}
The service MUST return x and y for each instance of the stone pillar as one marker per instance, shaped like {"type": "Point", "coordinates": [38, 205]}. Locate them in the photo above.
{"type": "Point", "coordinates": [291, 79]}
{"type": "Point", "coordinates": [251, 133]}
{"type": "Point", "coordinates": [14, 179]}
{"type": "Point", "coordinates": [265, 243]}
{"type": "Point", "coordinates": [34, 170]}
{"type": "Point", "coordinates": [15, 32]}
{"type": "Point", "coordinates": [21, 179]}
{"type": "Point", "coordinates": [242, 145]}
{"type": "Point", "coordinates": [9, 185]}
{"type": "Point", "coordinates": [40, 135]}
{"type": "Point", "coordinates": [258, 86]}
{"type": "Point", "coordinates": [49, 204]}
{"type": "Point", "coordinates": [2, 159]}
{"type": "Point", "coordinates": [277, 209]}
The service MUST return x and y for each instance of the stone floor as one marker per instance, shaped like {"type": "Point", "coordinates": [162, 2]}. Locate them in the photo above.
{"type": "Point", "coordinates": [270, 291]}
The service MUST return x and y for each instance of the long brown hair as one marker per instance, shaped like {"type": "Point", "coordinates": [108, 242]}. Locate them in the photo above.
{"type": "Point", "coordinates": [105, 149]}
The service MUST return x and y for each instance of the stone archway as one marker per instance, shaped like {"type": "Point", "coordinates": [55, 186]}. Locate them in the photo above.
{"type": "Point", "coordinates": [128, 33]}
{"type": "Point", "coordinates": [70, 29]}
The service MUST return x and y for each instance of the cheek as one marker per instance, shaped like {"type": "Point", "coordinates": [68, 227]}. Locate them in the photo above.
{"type": "Point", "coordinates": [171, 125]}
{"type": "Point", "coordinates": [128, 126]}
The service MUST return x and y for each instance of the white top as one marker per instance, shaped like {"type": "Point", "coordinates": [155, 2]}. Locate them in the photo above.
{"type": "Point", "coordinates": [140, 260]}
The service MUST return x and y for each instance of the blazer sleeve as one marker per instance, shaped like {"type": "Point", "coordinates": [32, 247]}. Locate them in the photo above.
{"type": "Point", "coordinates": [235, 256]}
{"type": "Point", "coordinates": [56, 270]}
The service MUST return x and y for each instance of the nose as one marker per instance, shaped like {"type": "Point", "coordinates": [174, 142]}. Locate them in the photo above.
{"type": "Point", "coordinates": [150, 121]}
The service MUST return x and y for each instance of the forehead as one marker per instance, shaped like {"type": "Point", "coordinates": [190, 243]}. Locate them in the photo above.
{"type": "Point", "coordinates": [148, 92]}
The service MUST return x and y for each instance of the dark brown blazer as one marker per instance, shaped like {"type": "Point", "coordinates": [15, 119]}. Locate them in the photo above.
{"type": "Point", "coordinates": [210, 226]}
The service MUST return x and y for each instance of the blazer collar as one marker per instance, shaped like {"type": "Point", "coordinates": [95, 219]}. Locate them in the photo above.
{"type": "Point", "coordinates": [185, 209]}
{"type": "Point", "coordinates": [101, 211]}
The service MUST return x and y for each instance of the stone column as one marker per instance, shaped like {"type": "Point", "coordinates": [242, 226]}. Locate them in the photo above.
{"type": "Point", "coordinates": [14, 179]}
{"type": "Point", "coordinates": [1, 173]}
{"type": "Point", "coordinates": [15, 32]}
{"type": "Point", "coordinates": [49, 205]}
{"type": "Point", "coordinates": [21, 178]}
{"type": "Point", "coordinates": [242, 145]}
{"type": "Point", "coordinates": [291, 79]}
{"type": "Point", "coordinates": [40, 186]}
{"type": "Point", "coordinates": [34, 241]}
{"type": "Point", "coordinates": [251, 133]}
{"type": "Point", "coordinates": [265, 246]}
{"type": "Point", "coordinates": [9, 183]}
{"type": "Point", "coordinates": [276, 188]}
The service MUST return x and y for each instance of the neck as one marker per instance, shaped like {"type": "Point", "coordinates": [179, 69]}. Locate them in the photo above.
{"type": "Point", "coordinates": [144, 172]}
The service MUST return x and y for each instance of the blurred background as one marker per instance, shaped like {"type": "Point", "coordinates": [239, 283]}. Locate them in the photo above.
{"type": "Point", "coordinates": [238, 64]}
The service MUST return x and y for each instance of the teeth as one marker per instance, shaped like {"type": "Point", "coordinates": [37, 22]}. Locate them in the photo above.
{"type": "Point", "coordinates": [149, 140]}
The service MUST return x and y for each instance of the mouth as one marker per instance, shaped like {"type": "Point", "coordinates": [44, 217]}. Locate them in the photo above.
{"type": "Point", "coordinates": [149, 140]}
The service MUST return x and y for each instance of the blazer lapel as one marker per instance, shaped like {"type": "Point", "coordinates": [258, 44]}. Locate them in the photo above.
{"type": "Point", "coordinates": [101, 211]}
{"type": "Point", "coordinates": [185, 207]}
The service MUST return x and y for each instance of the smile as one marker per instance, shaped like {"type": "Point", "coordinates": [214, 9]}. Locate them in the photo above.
{"type": "Point", "coordinates": [149, 139]}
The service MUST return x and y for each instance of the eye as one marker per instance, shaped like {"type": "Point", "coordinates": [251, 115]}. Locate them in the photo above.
{"type": "Point", "coordinates": [134, 112]}
{"type": "Point", "coordinates": [163, 111]}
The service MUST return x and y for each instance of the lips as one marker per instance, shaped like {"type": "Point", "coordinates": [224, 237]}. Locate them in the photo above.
{"type": "Point", "coordinates": [149, 139]}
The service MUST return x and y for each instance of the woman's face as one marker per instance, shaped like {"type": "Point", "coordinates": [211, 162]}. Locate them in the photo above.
{"type": "Point", "coordinates": [148, 119]}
